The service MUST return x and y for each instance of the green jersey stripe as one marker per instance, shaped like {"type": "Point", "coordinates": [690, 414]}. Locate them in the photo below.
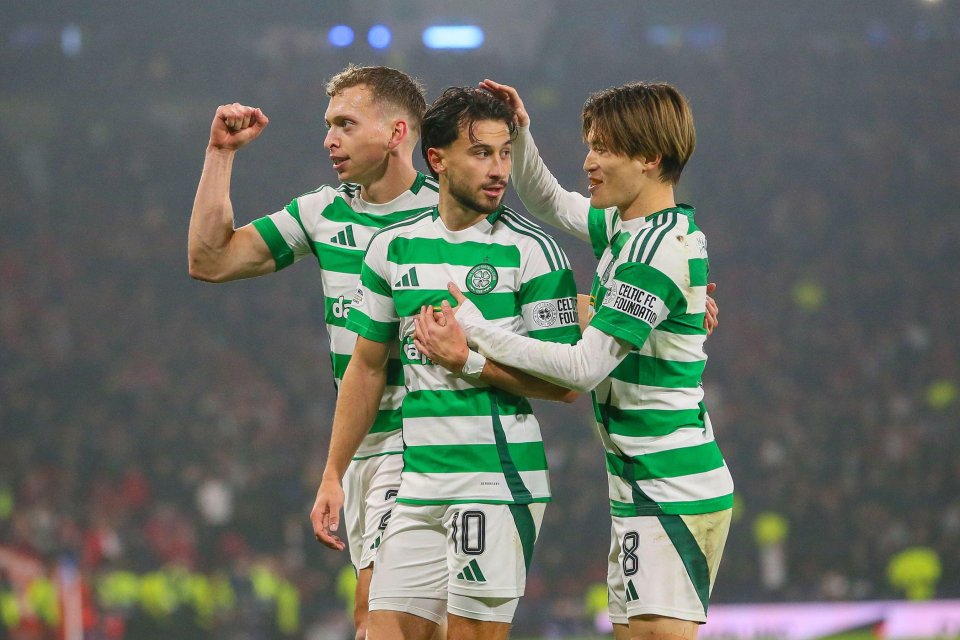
{"type": "Point", "coordinates": [563, 335]}
{"type": "Point", "coordinates": [672, 463]}
{"type": "Point", "coordinates": [386, 420]}
{"type": "Point", "coordinates": [651, 422]}
{"type": "Point", "coordinates": [524, 456]}
{"type": "Point", "coordinates": [688, 324]}
{"type": "Point", "coordinates": [372, 281]}
{"type": "Point", "coordinates": [494, 306]}
{"type": "Point", "coordinates": [363, 325]}
{"type": "Point", "coordinates": [658, 372]}
{"type": "Point", "coordinates": [339, 361]}
{"type": "Point", "coordinates": [507, 454]}
{"type": "Point", "coordinates": [597, 227]}
{"type": "Point", "coordinates": [544, 287]}
{"type": "Point", "coordinates": [708, 505]}
{"type": "Point", "coordinates": [699, 269]}
{"type": "Point", "coordinates": [471, 402]}
{"type": "Point", "coordinates": [440, 251]}
{"type": "Point", "coordinates": [282, 254]}
{"type": "Point", "coordinates": [526, 529]}
{"type": "Point", "coordinates": [337, 258]}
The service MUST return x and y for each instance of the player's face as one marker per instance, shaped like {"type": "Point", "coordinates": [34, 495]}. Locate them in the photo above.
{"type": "Point", "coordinates": [615, 180]}
{"type": "Point", "coordinates": [477, 170]}
{"type": "Point", "coordinates": [358, 134]}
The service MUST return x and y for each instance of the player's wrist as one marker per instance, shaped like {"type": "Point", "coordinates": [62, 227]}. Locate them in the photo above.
{"type": "Point", "coordinates": [473, 365]}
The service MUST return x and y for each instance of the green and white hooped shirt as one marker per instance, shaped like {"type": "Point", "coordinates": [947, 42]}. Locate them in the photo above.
{"type": "Point", "coordinates": [650, 290]}
{"type": "Point", "coordinates": [465, 441]}
{"type": "Point", "coordinates": [335, 226]}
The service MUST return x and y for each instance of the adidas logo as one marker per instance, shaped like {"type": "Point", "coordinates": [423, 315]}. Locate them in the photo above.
{"type": "Point", "coordinates": [631, 592]}
{"type": "Point", "coordinates": [376, 543]}
{"type": "Point", "coordinates": [472, 573]}
{"type": "Point", "coordinates": [409, 279]}
{"type": "Point", "coordinates": [345, 237]}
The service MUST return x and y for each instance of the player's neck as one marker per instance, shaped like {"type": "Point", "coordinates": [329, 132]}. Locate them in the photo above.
{"type": "Point", "coordinates": [657, 197]}
{"type": "Point", "coordinates": [397, 178]}
{"type": "Point", "coordinates": [456, 216]}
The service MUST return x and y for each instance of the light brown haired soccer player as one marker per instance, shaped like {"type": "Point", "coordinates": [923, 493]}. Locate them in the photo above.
{"type": "Point", "coordinates": [373, 125]}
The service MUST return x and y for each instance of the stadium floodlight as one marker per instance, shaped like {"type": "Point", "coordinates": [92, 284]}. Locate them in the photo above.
{"type": "Point", "coordinates": [340, 36]}
{"type": "Point", "coordinates": [71, 40]}
{"type": "Point", "coordinates": [465, 36]}
{"type": "Point", "coordinates": [379, 36]}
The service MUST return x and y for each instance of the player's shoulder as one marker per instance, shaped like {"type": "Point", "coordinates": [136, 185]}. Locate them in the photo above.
{"type": "Point", "coordinates": [668, 243]}
{"type": "Point", "coordinates": [531, 238]}
{"type": "Point", "coordinates": [325, 195]}
{"type": "Point", "coordinates": [406, 227]}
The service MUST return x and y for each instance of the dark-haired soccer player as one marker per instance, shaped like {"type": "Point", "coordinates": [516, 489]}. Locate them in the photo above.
{"type": "Point", "coordinates": [474, 480]}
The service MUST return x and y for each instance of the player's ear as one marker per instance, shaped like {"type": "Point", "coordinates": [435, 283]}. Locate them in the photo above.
{"type": "Point", "coordinates": [400, 132]}
{"type": "Point", "coordinates": [436, 159]}
{"type": "Point", "coordinates": [652, 165]}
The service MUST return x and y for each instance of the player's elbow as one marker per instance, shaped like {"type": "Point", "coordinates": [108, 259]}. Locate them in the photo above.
{"type": "Point", "coordinates": [205, 270]}
{"type": "Point", "coordinates": [569, 397]}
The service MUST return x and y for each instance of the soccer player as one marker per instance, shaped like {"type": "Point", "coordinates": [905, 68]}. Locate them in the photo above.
{"type": "Point", "coordinates": [642, 355]}
{"type": "Point", "coordinates": [373, 125]}
{"type": "Point", "coordinates": [474, 481]}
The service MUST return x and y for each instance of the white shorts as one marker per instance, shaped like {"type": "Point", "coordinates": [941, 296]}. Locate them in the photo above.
{"type": "Point", "coordinates": [471, 558]}
{"type": "Point", "coordinates": [370, 491]}
{"type": "Point", "coordinates": [664, 565]}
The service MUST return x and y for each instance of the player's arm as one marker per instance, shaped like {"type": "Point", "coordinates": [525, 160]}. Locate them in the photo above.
{"type": "Point", "coordinates": [579, 367]}
{"type": "Point", "coordinates": [216, 251]}
{"type": "Point", "coordinates": [357, 404]}
{"type": "Point", "coordinates": [539, 191]}
{"type": "Point", "coordinates": [452, 353]}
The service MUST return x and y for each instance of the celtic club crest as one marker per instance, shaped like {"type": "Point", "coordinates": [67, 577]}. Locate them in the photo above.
{"type": "Point", "coordinates": [482, 279]}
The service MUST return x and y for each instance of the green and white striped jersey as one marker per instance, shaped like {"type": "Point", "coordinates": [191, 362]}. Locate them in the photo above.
{"type": "Point", "coordinates": [650, 290]}
{"type": "Point", "coordinates": [466, 441]}
{"type": "Point", "coordinates": [335, 225]}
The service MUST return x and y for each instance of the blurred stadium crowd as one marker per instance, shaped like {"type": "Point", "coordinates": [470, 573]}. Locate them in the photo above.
{"type": "Point", "coordinates": [161, 439]}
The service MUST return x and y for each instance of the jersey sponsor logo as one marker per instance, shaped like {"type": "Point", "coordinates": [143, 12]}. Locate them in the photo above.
{"type": "Point", "coordinates": [414, 355]}
{"type": "Point", "coordinates": [358, 297]}
{"type": "Point", "coordinates": [409, 279]}
{"type": "Point", "coordinates": [482, 278]}
{"type": "Point", "coordinates": [341, 307]}
{"type": "Point", "coordinates": [560, 312]}
{"type": "Point", "coordinates": [702, 245]}
{"type": "Point", "coordinates": [634, 302]}
{"type": "Point", "coordinates": [344, 237]}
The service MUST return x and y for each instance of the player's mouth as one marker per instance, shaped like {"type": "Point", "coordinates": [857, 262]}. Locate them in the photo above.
{"type": "Point", "coordinates": [594, 184]}
{"type": "Point", "coordinates": [338, 163]}
{"type": "Point", "coordinates": [494, 190]}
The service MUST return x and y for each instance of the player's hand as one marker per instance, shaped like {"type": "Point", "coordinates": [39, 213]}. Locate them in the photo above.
{"type": "Point", "coordinates": [325, 515]}
{"type": "Point", "coordinates": [235, 125]}
{"type": "Point", "coordinates": [711, 319]}
{"type": "Point", "coordinates": [442, 341]}
{"type": "Point", "coordinates": [509, 95]}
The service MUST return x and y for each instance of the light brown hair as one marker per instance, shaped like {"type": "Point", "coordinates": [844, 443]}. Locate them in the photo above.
{"type": "Point", "coordinates": [387, 85]}
{"type": "Point", "coordinates": [642, 120]}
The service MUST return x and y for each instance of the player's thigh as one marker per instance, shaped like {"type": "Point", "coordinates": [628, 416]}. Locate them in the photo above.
{"type": "Point", "coordinates": [662, 628]}
{"type": "Point", "coordinates": [664, 565]}
{"type": "Point", "coordinates": [410, 574]}
{"type": "Point", "coordinates": [370, 490]}
{"type": "Point", "coordinates": [470, 629]}
{"type": "Point", "coordinates": [489, 548]}
{"type": "Point", "coordinates": [387, 624]}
